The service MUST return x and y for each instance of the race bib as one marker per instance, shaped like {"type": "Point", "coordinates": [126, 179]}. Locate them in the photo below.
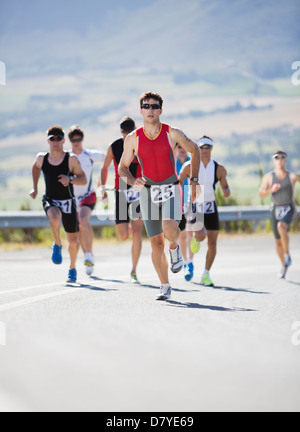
{"type": "Point", "coordinates": [281, 211]}
{"type": "Point", "coordinates": [64, 205]}
{"type": "Point", "coordinates": [131, 195]}
{"type": "Point", "coordinates": [162, 193]}
{"type": "Point", "coordinates": [206, 207]}
{"type": "Point", "coordinates": [209, 207]}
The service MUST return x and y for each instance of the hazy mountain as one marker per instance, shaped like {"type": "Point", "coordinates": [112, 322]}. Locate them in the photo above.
{"type": "Point", "coordinates": [194, 38]}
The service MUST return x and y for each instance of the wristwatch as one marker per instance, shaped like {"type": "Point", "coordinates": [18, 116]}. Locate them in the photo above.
{"type": "Point", "coordinates": [71, 178]}
{"type": "Point", "coordinates": [194, 179]}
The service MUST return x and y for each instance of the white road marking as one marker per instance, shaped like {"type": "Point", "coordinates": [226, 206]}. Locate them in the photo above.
{"type": "Point", "coordinates": [30, 300]}
{"type": "Point", "coordinates": [34, 299]}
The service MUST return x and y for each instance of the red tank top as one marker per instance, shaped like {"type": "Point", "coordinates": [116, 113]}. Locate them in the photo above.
{"type": "Point", "coordinates": [157, 156]}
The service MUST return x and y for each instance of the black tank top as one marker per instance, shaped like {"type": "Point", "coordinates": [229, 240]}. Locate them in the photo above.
{"type": "Point", "coordinates": [54, 189]}
{"type": "Point", "coordinates": [134, 168]}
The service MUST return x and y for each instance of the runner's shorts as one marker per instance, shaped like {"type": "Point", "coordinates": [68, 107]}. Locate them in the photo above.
{"type": "Point", "coordinates": [89, 201]}
{"type": "Point", "coordinates": [127, 206]}
{"type": "Point", "coordinates": [158, 203]}
{"type": "Point", "coordinates": [68, 210]}
{"type": "Point", "coordinates": [281, 214]}
{"type": "Point", "coordinates": [196, 220]}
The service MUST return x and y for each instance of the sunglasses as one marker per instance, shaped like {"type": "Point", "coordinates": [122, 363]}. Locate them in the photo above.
{"type": "Point", "coordinates": [205, 147]}
{"type": "Point", "coordinates": [78, 140]}
{"type": "Point", "coordinates": [153, 106]}
{"type": "Point", "coordinates": [280, 157]}
{"type": "Point", "coordinates": [56, 139]}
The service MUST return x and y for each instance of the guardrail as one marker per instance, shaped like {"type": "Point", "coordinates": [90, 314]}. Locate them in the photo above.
{"type": "Point", "coordinates": [38, 219]}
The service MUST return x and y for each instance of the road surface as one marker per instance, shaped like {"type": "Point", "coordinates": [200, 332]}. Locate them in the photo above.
{"type": "Point", "coordinates": [106, 345]}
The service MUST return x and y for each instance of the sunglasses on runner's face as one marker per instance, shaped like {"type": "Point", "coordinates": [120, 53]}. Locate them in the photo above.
{"type": "Point", "coordinates": [280, 157]}
{"type": "Point", "coordinates": [56, 139]}
{"type": "Point", "coordinates": [205, 147]}
{"type": "Point", "coordinates": [78, 140]}
{"type": "Point", "coordinates": [153, 106]}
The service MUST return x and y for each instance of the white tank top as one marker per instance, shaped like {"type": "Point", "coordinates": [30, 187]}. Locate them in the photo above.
{"type": "Point", "coordinates": [207, 179]}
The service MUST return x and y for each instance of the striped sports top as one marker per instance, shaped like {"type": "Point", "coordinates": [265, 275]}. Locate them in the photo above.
{"type": "Point", "coordinates": [156, 156]}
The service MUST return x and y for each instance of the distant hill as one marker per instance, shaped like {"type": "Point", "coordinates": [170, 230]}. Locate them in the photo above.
{"type": "Point", "coordinates": [194, 39]}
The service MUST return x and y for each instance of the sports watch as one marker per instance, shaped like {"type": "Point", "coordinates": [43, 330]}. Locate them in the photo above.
{"type": "Point", "coordinates": [71, 178]}
{"type": "Point", "coordinates": [194, 179]}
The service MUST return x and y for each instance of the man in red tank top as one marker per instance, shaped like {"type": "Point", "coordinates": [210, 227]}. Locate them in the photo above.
{"type": "Point", "coordinates": [160, 193]}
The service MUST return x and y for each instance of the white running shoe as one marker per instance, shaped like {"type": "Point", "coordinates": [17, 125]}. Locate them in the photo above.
{"type": "Point", "coordinates": [165, 293]}
{"type": "Point", "coordinates": [89, 270]}
{"type": "Point", "coordinates": [89, 263]}
{"type": "Point", "coordinates": [287, 260]}
{"type": "Point", "coordinates": [176, 259]}
{"type": "Point", "coordinates": [282, 273]}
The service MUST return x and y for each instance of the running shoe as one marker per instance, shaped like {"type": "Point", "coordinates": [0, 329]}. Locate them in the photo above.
{"type": "Point", "coordinates": [206, 281]}
{"type": "Point", "coordinates": [89, 263]}
{"type": "Point", "coordinates": [283, 272]}
{"type": "Point", "coordinates": [195, 245]}
{"type": "Point", "coordinates": [176, 259]}
{"type": "Point", "coordinates": [89, 260]}
{"type": "Point", "coordinates": [165, 293]}
{"type": "Point", "coordinates": [188, 271]}
{"type": "Point", "coordinates": [287, 264]}
{"type": "Point", "coordinates": [72, 277]}
{"type": "Point", "coordinates": [56, 255]}
{"type": "Point", "coordinates": [134, 279]}
{"type": "Point", "coordinates": [89, 270]}
{"type": "Point", "coordinates": [287, 260]}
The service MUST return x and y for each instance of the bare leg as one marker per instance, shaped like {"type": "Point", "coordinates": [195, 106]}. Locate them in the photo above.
{"type": "Point", "coordinates": [73, 240]}
{"type": "Point", "coordinates": [137, 226]}
{"type": "Point", "coordinates": [55, 217]}
{"type": "Point", "coordinates": [159, 258]}
{"type": "Point", "coordinates": [212, 237]}
{"type": "Point", "coordinates": [86, 231]}
{"type": "Point", "coordinates": [284, 237]}
{"type": "Point", "coordinates": [171, 231]}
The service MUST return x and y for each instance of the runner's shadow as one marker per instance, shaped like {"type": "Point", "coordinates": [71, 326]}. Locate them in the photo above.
{"type": "Point", "coordinates": [96, 278]}
{"type": "Point", "coordinates": [207, 307]}
{"type": "Point", "coordinates": [173, 289]}
{"type": "Point", "coordinates": [90, 287]}
{"type": "Point", "coordinates": [226, 288]}
{"type": "Point", "coordinates": [293, 282]}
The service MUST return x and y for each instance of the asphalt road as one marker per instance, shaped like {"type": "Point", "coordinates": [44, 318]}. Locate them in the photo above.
{"type": "Point", "coordinates": [106, 345]}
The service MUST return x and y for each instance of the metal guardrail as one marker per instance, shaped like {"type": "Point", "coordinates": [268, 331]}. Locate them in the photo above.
{"type": "Point", "coordinates": [38, 219]}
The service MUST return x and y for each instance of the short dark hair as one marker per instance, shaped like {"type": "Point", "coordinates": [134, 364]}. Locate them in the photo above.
{"type": "Point", "coordinates": [280, 152]}
{"type": "Point", "coordinates": [151, 95]}
{"type": "Point", "coordinates": [56, 130]}
{"type": "Point", "coordinates": [127, 124]}
{"type": "Point", "coordinates": [75, 130]}
{"type": "Point", "coordinates": [205, 136]}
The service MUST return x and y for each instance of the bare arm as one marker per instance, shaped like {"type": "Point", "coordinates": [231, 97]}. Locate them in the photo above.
{"type": "Point", "coordinates": [184, 172]}
{"type": "Point", "coordinates": [75, 168]}
{"type": "Point", "coordinates": [180, 138]}
{"type": "Point", "coordinates": [104, 171]}
{"type": "Point", "coordinates": [36, 173]}
{"type": "Point", "coordinates": [295, 178]}
{"type": "Point", "coordinates": [266, 188]}
{"type": "Point", "coordinates": [127, 157]}
{"type": "Point", "coordinates": [222, 177]}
